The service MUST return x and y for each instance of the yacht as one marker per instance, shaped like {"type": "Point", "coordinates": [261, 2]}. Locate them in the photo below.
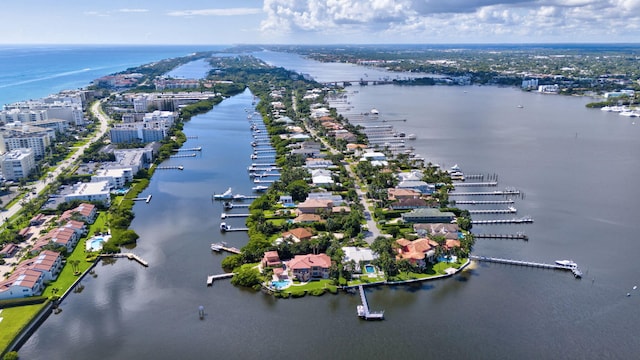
{"type": "Point", "coordinates": [566, 263]}
{"type": "Point", "coordinates": [216, 246]}
{"type": "Point", "coordinates": [227, 195]}
{"type": "Point", "coordinates": [412, 137]}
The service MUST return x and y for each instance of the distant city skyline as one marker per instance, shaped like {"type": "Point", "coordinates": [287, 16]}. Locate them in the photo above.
{"type": "Point", "coordinates": [320, 21]}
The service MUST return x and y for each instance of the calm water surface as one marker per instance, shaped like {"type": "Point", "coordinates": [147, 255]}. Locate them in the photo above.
{"type": "Point", "coordinates": [576, 167]}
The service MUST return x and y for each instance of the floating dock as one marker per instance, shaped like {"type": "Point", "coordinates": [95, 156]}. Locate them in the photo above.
{"type": "Point", "coordinates": [212, 278]}
{"type": "Point", "coordinates": [363, 310]}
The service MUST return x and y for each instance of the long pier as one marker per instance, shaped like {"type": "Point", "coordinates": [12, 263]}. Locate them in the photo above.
{"type": "Point", "coordinates": [486, 183]}
{"type": "Point", "coordinates": [225, 215]}
{"type": "Point", "coordinates": [178, 167]}
{"type": "Point", "coordinates": [574, 269]}
{"type": "Point", "coordinates": [483, 202]}
{"type": "Point", "coordinates": [510, 210]}
{"type": "Point", "coordinates": [502, 236]}
{"type": "Point", "coordinates": [474, 176]}
{"type": "Point", "coordinates": [229, 205]}
{"type": "Point", "coordinates": [363, 310]}
{"type": "Point", "coordinates": [481, 193]}
{"type": "Point", "coordinates": [129, 256]}
{"type": "Point", "coordinates": [211, 278]}
{"type": "Point", "coordinates": [199, 148]}
{"type": "Point", "coordinates": [524, 220]}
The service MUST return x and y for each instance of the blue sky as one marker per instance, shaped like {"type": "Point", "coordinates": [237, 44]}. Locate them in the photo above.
{"type": "Point", "coordinates": [318, 21]}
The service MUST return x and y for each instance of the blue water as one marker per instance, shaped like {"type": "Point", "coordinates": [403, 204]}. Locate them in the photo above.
{"type": "Point", "coordinates": [30, 72]}
{"type": "Point", "coordinates": [193, 70]}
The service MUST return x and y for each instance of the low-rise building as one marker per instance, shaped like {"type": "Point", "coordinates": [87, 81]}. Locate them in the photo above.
{"type": "Point", "coordinates": [99, 191]}
{"type": "Point", "coordinates": [21, 284]}
{"type": "Point", "coordinates": [117, 178]}
{"type": "Point", "coordinates": [428, 215]}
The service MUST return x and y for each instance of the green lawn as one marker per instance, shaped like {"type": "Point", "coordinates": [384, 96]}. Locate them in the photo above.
{"type": "Point", "coordinates": [15, 319]}
{"type": "Point", "coordinates": [311, 285]}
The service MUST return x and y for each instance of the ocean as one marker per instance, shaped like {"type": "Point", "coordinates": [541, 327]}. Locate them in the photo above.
{"type": "Point", "coordinates": [30, 72]}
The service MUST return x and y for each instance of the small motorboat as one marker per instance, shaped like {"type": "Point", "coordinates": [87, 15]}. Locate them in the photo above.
{"type": "Point", "coordinates": [566, 263]}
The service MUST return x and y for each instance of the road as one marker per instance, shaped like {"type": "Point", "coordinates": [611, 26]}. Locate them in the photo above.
{"type": "Point", "coordinates": [39, 185]}
{"type": "Point", "coordinates": [373, 231]}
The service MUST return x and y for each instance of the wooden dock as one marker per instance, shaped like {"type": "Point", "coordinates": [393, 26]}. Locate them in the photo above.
{"type": "Point", "coordinates": [502, 236]}
{"type": "Point", "coordinates": [212, 278]}
{"type": "Point", "coordinates": [129, 256]}
{"type": "Point", "coordinates": [524, 220]}
{"type": "Point", "coordinates": [574, 269]}
{"type": "Point", "coordinates": [363, 310]}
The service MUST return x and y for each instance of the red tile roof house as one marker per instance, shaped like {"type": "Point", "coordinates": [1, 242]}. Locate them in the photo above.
{"type": "Point", "coordinates": [77, 226]}
{"type": "Point", "coordinates": [271, 259]}
{"type": "Point", "coordinates": [21, 284]}
{"type": "Point", "coordinates": [9, 250]}
{"type": "Point", "coordinates": [297, 235]}
{"type": "Point", "coordinates": [417, 251]}
{"type": "Point", "coordinates": [87, 213]}
{"type": "Point", "coordinates": [307, 267]}
{"type": "Point", "coordinates": [47, 262]}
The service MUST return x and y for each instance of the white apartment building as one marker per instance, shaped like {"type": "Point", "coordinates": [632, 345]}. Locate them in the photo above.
{"type": "Point", "coordinates": [17, 164]}
{"type": "Point", "coordinates": [24, 136]}
{"type": "Point", "coordinates": [91, 191]}
{"type": "Point", "coordinates": [22, 115]}
{"type": "Point", "coordinates": [116, 178]}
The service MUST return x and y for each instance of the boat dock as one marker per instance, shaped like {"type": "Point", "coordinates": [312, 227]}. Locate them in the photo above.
{"type": "Point", "coordinates": [486, 183]}
{"type": "Point", "coordinates": [510, 210]}
{"type": "Point", "coordinates": [178, 167]}
{"type": "Point", "coordinates": [222, 246]}
{"type": "Point", "coordinates": [199, 148]}
{"type": "Point", "coordinates": [481, 193]}
{"type": "Point", "coordinates": [212, 278]}
{"type": "Point", "coordinates": [363, 310]}
{"type": "Point", "coordinates": [230, 205]}
{"type": "Point", "coordinates": [483, 202]}
{"type": "Point", "coordinates": [474, 176]}
{"type": "Point", "coordinates": [145, 199]}
{"type": "Point", "coordinates": [524, 220]}
{"type": "Point", "coordinates": [574, 269]}
{"type": "Point", "coordinates": [519, 236]}
{"type": "Point", "coordinates": [129, 256]}
{"type": "Point", "coordinates": [182, 155]}
{"type": "Point", "coordinates": [225, 215]}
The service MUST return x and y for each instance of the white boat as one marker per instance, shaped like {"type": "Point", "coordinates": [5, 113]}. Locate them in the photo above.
{"type": "Point", "coordinates": [374, 111]}
{"type": "Point", "coordinates": [239, 197]}
{"type": "Point", "coordinates": [260, 188]}
{"type": "Point", "coordinates": [411, 137]}
{"type": "Point", "coordinates": [566, 263]}
{"type": "Point", "coordinates": [227, 195]}
{"type": "Point", "coordinates": [216, 247]}
{"type": "Point", "coordinates": [224, 226]}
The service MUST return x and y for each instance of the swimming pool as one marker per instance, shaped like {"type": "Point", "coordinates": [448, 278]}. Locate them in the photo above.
{"type": "Point", "coordinates": [279, 285]}
{"type": "Point", "coordinates": [96, 243]}
{"type": "Point", "coordinates": [370, 269]}
{"type": "Point", "coordinates": [449, 259]}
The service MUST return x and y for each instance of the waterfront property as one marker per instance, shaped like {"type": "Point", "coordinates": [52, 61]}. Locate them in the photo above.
{"type": "Point", "coordinates": [428, 215]}
{"type": "Point", "coordinates": [308, 267]}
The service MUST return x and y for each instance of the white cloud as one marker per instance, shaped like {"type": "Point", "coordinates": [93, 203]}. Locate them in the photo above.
{"type": "Point", "coordinates": [455, 20]}
{"type": "Point", "coordinates": [133, 10]}
{"type": "Point", "coordinates": [216, 12]}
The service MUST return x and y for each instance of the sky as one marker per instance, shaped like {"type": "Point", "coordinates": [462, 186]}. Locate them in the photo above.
{"type": "Point", "coordinates": [226, 22]}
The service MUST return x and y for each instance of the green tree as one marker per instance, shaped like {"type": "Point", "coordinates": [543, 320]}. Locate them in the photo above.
{"type": "Point", "coordinates": [247, 277]}
{"type": "Point", "coordinates": [299, 190]}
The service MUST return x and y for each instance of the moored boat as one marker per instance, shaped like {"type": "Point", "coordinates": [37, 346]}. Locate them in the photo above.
{"type": "Point", "coordinates": [227, 195]}
{"type": "Point", "coordinates": [566, 263]}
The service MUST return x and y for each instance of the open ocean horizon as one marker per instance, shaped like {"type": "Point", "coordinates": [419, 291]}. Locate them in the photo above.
{"type": "Point", "coordinates": [35, 71]}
